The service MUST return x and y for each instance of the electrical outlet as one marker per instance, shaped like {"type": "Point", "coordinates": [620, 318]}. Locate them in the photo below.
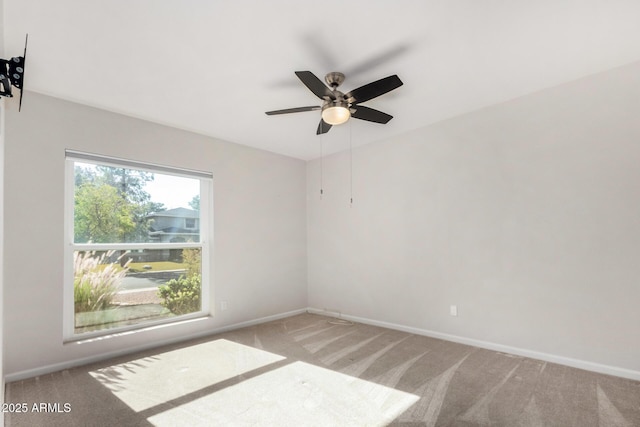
{"type": "Point", "coordinates": [224, 305]}
{"type": "Point", "coordinates": [453, 310]}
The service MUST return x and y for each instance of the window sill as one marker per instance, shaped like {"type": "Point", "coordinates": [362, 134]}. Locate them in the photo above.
{"type": "Point", "coordinates": [106, 334]}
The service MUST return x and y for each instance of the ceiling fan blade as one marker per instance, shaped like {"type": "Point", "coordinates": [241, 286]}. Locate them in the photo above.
{"type": "Point", "coordinates": [369, 114]}
{"type": "Point", "coordinates": [315, 85]}
{"type": "Point", "coordinates": [373, 89]}
{"type": "Point", "coordinates": [293, 110]}
{"type": "Point", "coordinates": [323, 127]}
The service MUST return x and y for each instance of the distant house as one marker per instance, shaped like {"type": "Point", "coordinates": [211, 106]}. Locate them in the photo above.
{"type": "Point", "coordinates": [174, 225]}
{"type": "Point", "coordinates": [170, 226]}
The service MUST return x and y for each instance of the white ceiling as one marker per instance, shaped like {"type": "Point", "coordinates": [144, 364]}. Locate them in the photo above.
{"type": "Point", "coordinates": [215, 67]}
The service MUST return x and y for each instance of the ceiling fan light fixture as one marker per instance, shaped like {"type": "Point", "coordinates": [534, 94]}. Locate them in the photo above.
{"type": "Point", "coordinates": [336, 113]}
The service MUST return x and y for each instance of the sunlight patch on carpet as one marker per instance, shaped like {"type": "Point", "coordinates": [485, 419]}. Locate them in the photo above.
{"type": "Point", "coordinates": [293, 395]}
{"type": "Point", "coordinates": [150, 381]}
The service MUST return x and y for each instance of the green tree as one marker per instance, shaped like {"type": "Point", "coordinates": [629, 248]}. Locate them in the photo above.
{"type": "Point", "coordinates": [130, 183]}
{"type": "Point", "coordinates": [112, 204]}
{"type": "Point", "coordinates": [195, 203]}
{"type": "Point", "coordinates": [84, 175]}
{"type": "Point", "coordinates": [101, 215]}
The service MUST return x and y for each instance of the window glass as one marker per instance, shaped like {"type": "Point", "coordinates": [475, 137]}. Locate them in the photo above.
{"type": "Point", "coordinates": [137, 248]}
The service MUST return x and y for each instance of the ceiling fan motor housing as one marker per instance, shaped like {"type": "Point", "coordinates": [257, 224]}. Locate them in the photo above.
{"type": "Point", "coordinates": [334, 79]}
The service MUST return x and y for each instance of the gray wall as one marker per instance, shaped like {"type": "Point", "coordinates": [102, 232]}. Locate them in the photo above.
{"type": "Point", "coordinates": [526, 215]}
{"type": "Point", "coordinates": [259, 256]}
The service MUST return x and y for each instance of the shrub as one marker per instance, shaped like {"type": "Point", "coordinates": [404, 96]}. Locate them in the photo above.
{"type": "Point", "coordinates": [182, 296]}
{"type": "Point", "coordinates": [95, 281]}
{"type": "Point", "coordinates": [192, 259]}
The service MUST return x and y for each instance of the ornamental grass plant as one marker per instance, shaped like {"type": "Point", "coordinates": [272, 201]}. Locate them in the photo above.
{"type": "Point", "coordinates": [96, 280]}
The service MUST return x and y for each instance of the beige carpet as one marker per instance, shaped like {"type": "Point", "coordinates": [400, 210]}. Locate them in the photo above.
{"type": "Point", "coordinates": [305, 371]}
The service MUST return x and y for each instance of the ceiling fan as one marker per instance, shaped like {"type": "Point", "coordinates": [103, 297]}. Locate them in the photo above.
{"type": "Point", "coordinates": [338, 107]}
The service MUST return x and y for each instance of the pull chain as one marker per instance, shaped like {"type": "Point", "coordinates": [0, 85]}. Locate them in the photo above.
{"type": "Point", "coordinates": [321, 176]}
{"type": "Point", "coordinates": [350, 166]}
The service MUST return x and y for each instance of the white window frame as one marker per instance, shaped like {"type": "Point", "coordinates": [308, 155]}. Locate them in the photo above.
{"type": "Point", "coordinates": [205, 244]}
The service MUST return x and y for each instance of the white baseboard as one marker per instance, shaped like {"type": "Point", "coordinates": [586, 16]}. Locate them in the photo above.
{"type": "Point", "coordinates": [561, 360]}
{"type": "Point", "coordinates": [47, 369]}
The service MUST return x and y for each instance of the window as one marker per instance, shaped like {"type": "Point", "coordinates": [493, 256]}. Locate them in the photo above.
{"type": "Point", "coordinates": [137, 245]}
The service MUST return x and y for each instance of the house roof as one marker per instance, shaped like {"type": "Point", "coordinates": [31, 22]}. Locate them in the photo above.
{"type": "Point", "coordinates": [177, 213]}
{"type": "Point", "coordinates": [216, 67]}
{"type": "Point", "coordinates": [174, 230]}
